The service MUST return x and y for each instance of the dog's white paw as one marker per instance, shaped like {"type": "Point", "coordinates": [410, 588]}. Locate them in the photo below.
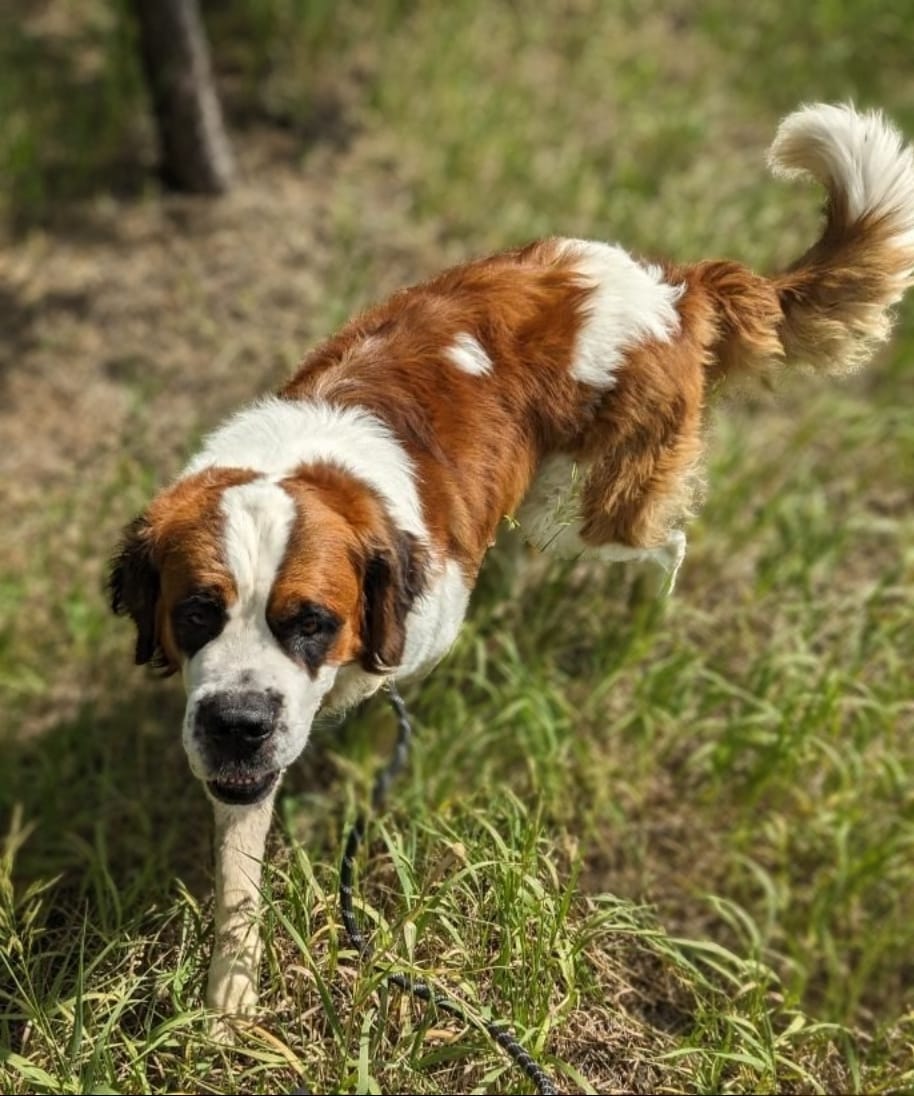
{"type": "Point", "coordinates": [221, 1030]}
{"type": "Point", "coordinates": [231, 992]}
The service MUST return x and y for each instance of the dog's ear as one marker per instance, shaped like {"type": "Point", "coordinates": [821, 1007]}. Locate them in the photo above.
{"type": "Point", "coordinates": [394, 578]}
{"type": "Point", "coordinates": [133, 588]}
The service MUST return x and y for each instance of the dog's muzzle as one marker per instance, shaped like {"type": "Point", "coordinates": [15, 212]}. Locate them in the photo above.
{"type": "Point", "coordinates": [235, 731]}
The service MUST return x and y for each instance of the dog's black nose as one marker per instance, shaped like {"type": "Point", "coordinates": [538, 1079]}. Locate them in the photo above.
{"type": "Point", "coordinates": [238, 720]}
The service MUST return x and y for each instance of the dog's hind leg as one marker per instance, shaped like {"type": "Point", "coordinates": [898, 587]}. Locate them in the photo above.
{"type": "Point", "coordinates": [241, 834]}
{"type": "Point", "coordinates": [630, 517]}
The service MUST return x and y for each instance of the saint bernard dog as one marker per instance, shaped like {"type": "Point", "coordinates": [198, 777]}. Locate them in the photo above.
{"type": "Point", "coordinates": [326, 539]}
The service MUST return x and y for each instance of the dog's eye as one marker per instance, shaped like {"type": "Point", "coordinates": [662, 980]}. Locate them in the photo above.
{"type": "Point", "coordinates": [309, 624]}
{"type": "Point", "coordinates": [307, 632]}
{"type": "Point", "coordinates": [198, 610]}
{"type": "Point", "coordinates": [196, 616]}
{"type": "Point", "coordinates": [309, 621]}
{"type": "Point", "coordinates": [197, 620]}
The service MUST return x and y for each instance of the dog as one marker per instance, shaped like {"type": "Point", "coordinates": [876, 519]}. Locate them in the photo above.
{"type": "Point", "coordinates": [326, 538]}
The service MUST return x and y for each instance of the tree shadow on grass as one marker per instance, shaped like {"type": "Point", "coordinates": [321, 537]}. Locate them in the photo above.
{"type": "Point", "coordinates": [108, 791]}
{"type": "Point", "coordinates": [100, 821]}
{"type": "Point", "coordinates": [79, 121]}
{"type": "Point", "coordinates": [105, 828]}
{"type": "Point", "coordinates": [72, 95]}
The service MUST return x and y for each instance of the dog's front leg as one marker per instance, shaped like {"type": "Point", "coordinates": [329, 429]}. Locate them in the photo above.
{"type": "Point", "coordinates": [241, 834]}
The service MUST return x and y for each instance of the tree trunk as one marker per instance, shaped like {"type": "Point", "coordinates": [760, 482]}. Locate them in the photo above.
{"type": "Point", "coordinates": [194, 147]}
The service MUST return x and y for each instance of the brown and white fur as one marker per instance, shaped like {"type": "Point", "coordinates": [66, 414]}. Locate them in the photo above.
{"type": "Point", "coordinates": [327, 538]}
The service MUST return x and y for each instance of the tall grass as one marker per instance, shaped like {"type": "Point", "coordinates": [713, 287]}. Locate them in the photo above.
{"type": "Point", "coordinates": [671, 842]}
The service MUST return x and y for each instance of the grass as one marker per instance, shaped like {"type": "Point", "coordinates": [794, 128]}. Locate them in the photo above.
{"type": "Point", "coordinates": [672, 844]}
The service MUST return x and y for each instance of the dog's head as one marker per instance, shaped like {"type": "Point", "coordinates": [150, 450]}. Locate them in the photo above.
{"type": "Point", "coordinates": [260, 591]}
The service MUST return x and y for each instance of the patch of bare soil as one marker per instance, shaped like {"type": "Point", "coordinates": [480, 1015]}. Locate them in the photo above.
{"type": "Point", "coordinates": [135, 323]}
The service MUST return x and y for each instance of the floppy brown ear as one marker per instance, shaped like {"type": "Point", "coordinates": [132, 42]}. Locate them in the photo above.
{"type": "Point", "coordinates": [394, 578]}
{"type": "Point", "coordinates": [133, 588]}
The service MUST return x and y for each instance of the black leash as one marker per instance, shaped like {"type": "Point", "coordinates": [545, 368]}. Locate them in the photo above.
{"type": "Point", "coordinates": [502, 1035]}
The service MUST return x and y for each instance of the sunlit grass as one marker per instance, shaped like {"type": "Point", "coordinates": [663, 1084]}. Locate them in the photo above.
{"type": "Point", "coordinates": [670, 843]}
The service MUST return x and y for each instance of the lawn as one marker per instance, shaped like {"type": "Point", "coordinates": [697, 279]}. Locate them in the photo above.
{"type": "Point", "coordinates": [671, 842]}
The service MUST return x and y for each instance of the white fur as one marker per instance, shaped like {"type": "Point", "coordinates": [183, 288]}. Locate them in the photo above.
{"type": "Point", "coordinates": [431, 628]}
{"type": "Point", "coordinates": [258, 518]}
{"type": "Point", "coordinates": [468, 354]}
{"type": "Point", "coordinates": [859, 155]}
{"type": "Point", "coordinates": [276, 436]}
{"type": "Point", "coordinates": [550, 519]}
{"type": "Point", "coordinates": [435, 620]}
{"type": "Point", "coordinates": [630, 304]}
{"type": "Point", "coordinates": [551, 505]}
{"type": "Point", "coordinates": [241, 834]}
{"type": "Point", "coordinates": [668, 556]}
{"type": "Point", "coordinates": [246, 655]}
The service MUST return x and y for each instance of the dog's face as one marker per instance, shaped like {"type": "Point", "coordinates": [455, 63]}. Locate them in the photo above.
{"type": "Point", "coordinates": [260, 591]}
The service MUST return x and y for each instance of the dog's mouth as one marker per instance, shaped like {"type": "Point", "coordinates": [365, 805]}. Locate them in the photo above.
{"type": "Point", "coordinates": [242, 790]}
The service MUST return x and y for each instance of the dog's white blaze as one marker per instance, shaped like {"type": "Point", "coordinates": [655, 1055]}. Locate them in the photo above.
{"type": "Point", "coordinates": [258, 518]}
{"type": "Point", "coordinates": [630, 304]}
{"type": "Point", "coordinates": [276, 436]}
{"type": "Point", "coordinates": [246, 655]}
{"type": "Point", "coordinates": [468, 354]}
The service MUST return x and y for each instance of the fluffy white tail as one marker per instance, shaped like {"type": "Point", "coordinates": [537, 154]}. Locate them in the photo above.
{"type": "Point", "coordinates": [833, 305]}
{"type": "Point", "coordinates": [836, 299]}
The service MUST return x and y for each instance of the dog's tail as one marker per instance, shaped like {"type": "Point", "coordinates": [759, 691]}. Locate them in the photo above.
{"type": "Point", "coordinates": [832, 307]}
